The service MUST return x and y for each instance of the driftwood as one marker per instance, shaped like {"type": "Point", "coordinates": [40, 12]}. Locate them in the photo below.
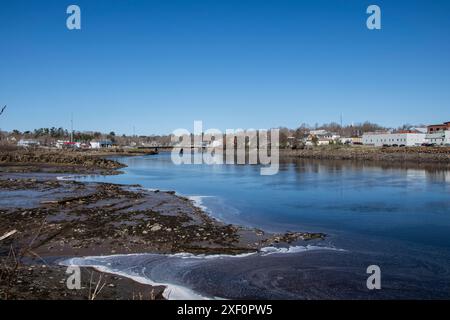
{"type": "Point", "coordinates": [49, 202]}
{"type": "Point", "coordinates": [8, 234]}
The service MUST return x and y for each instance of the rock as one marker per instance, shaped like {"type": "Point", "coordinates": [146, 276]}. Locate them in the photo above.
{"type": "Point", "coordinates": [155, 227]}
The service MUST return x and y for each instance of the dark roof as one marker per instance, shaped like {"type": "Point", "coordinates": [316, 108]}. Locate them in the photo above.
{"type": "Point", "coordinates": [446, 124]}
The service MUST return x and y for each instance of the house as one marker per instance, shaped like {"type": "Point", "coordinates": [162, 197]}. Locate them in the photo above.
{"type": "Point", "coordinates": [321, 138]}
{"type": "Point", "coordinates": [405, 138]}
{"type": "Point", "coordinates": [323, 134]}
{"type": "Point", "coordinates": [312, 140]}
{"type": "Point", "coordinates": [101, 144]}
{"type": "Point", "coordinates": [28, 143]}
{"type": "Point", "coordinates": [438, 134]}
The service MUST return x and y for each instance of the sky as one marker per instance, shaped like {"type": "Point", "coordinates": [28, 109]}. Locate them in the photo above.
{"type": "Point", "coordinates": [150, 67]}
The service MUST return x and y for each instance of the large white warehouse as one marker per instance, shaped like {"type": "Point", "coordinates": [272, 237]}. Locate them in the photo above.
{"type": "Point", "coordinates": [408, 139]}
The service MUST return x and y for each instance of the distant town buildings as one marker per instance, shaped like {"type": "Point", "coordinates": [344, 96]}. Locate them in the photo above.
{"type": "Point", "coordinates": [332, 134]}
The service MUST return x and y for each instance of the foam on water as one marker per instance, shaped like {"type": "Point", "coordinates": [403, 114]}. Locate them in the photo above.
{"type": "Point", "coordinates": [199, 203]}
{"type": "Point", "coordinates": [265, 251]}
{"type": "Point", "coordinates": [65, 178]}
{"type": "Point", "coordinates": [175, 291]}
{"type": "Point", "coordinates": [294, 249]}
{"type": "Point", "coordinates": [171, 292]}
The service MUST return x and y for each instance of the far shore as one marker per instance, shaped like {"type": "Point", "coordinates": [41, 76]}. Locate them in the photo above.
{"type": "Point", "coordinates": [393, 155]}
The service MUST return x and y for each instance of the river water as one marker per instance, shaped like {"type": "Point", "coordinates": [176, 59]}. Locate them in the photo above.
{"type": "Point", "coordinates": [395, 218]}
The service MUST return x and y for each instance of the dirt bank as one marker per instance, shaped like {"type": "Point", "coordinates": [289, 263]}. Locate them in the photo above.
{"type": "Point", "coordinates": [405, 155]}
{"type": "Point", "coordinates": [56, 161]}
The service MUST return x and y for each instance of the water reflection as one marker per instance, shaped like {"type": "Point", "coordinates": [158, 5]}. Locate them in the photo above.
{"type": "Point", "coordinates": [393, 215]}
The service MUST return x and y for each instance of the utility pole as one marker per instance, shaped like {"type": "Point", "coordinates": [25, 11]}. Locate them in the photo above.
{"type": "Point", "coordinates": [1, 112]}
{"type": "Point", "coordinates": [71, 127]}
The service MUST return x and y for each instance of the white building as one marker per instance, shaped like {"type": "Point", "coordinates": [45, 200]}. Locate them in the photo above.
{"type": "Point", "coordinates": [400, 139]}
{"type": "Point", "coordinates": [439, 138]}
{"type": "Point", "coordinates": [322, 138]}
{"type": "Point", "coordinates": [101, 144]}
{"type": "Point", "coordinates": [28, 143]}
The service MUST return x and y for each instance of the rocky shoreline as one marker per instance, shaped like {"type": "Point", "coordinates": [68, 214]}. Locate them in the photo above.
{"type": "Point", "coordinates": [44, 219]}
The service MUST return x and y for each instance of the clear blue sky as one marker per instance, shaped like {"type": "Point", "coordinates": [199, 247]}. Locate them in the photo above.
{"type": "Point", "coordinates": [160, 65]}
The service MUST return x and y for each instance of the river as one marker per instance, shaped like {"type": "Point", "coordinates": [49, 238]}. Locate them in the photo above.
{"type": "Point", "coordinates": [395, 218]}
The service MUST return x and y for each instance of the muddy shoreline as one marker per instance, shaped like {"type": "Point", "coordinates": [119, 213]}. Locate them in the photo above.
{"type": "Point", "coordinates": [52, 218]}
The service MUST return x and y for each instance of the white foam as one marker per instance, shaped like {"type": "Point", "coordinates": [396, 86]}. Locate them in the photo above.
{"type": "Point", "coordinates": [72, 177]}
{"type": "Point", "coordinates": [294, 249]}
{"type": "Point", "coordinates": [198, 202]}
{"type": "Point", "coordinates": [65, 178]}
{"type": "Point", "coordinates": [171, 291]}
{"type": "Point", "coordinates": [265, 251]}
{"type": "Point", "coordinates": [186, 255]}
{"type": "Point", "coordinates": [152, 189]}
